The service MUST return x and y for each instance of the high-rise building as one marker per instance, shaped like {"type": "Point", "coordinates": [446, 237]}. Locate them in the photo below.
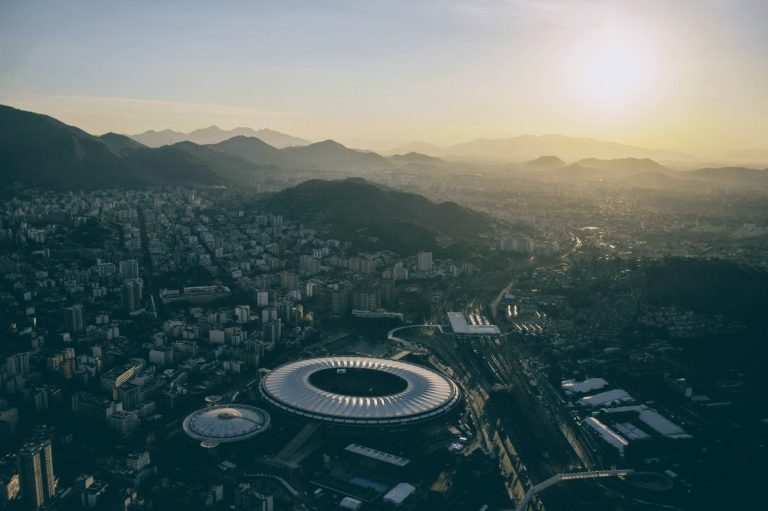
{"type": "Point", "coordinates": [129, 269]}
{"type": "Point", "coordinates": [308, 265]}
{"type": "Point", "coordinates": [131, 294]}
{"type": "Point", "coordinates": [124, 422]}
{"type": "Point", "coordinates": [262, 298]}
{"type": "Point", "coordinates": [366, 299]}
{"type": "Point", "coordinates": [242, 313]}
{"type": "Point", "coordinates": [36, 476]}
{"type": "Point", "coordinates": [17, 364]}
{"type": "Point", "coordinates": [297, 313]}
{"type": "Point", "coordinates": [340, 302]}
{"type": "Point", "coordinates": [9, 479]}
{"type": "Point", "coordinates": [424, 261]}
{"type": "Point", "coordinates": [73, 318]}
{"type": "Point", "coordinates": [361, 265]}
{"type": "Point", "coordinates": [119, 375]}
{"type": "Point", "coordinates": [289, 280]}
{"type": "Point", "coordinates": [273, 331]}
{"type": "Point", "coordinates": [268, 314]}
{"type": "Point", "coordinates": [387, 287]}
{"type": "Point", "coordinates": [400, 273]}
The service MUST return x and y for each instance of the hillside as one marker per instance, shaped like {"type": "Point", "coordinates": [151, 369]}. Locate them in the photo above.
{"type": "Point", "coordinates": [255, 151]}
{"type": "Point", "coordinates": [414, 158]}
{"type": "Point", "coordinates": [544, 163]}
{"type": "Point", "coordinates": [228, 165]}
{"type": "Point", "coordinates": [357, 210]}
{"type": "Point", "coordinates": [332, 156]}
{"type": "Point", "coordinates": [623, 165]}
{"type": "Point", "coordinates": [37, 149]}
{"type": "Point", "coordinates": [120, 144]}
{"type": "Point", "coordinates": [710, 287]}
{"type": "Point", "coordinates": [740, 177]}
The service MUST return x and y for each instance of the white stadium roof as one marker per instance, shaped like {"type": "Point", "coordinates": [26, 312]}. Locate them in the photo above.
{"type": "Point", "coordinates": [226, 423]}
{"type": "Point", "coordinates": [424, 394]}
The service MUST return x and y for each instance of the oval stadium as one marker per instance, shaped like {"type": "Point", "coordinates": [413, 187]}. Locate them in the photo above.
{"type": "Point", "coordinates": [359, 391]}
{"type": "Point", "coordinates": [226, 423]}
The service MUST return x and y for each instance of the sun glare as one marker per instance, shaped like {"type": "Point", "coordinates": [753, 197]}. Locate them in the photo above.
{"type": "Point", "coordinates": [611, 72]}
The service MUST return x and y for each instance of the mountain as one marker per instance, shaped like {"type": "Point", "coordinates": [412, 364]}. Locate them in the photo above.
{"type": "Point", "coordinates": [417, 147]}
{"type": "Point", "coordinates": [573, 173]}
{"type": "Point", "coordinates": [168, 165]}
{"type": "Point", "coordinates": [255, 151]}
{"type": "Point", "coordinates": [624, 165]}
{"type": "Point", "coordinates": [214, 135]}
{"type": "Point", "coordinates": [40, 150]}
{"type": "Point", "coordinates": [731, 175]}
{"type": "Point", "coordinates": [35, 148]}
{"type": "Point", "coordinates": [414, 158]}
{"type": "Point", "coordinates": [154, 138]}
{"type": "Point", "coordinates": [529, 147]}
{"type": "Point", "coordinates": [329, 155]}
{"type": "Point", "coordinates": [230, 165]}
{"type": "Point", "coordinates": [120, 144]}
{"type": "Point", "coordinates": [651, 180]}
{"type": "Point", "coordinates": [279, 140]}
{"type": "Point", "coordinates": [544, 163]}
{"type": "Point", "coordinates": [357, 210]}
{"type": "Point", "coordinates": [743, 178]}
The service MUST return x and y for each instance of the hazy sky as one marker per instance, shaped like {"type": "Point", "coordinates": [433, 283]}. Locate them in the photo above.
{"type": "Point", "coordinates": [679, 74]}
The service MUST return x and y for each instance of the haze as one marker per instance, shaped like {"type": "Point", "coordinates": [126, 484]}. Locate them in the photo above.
{"type": "Point", "coordinates": [688, 75]}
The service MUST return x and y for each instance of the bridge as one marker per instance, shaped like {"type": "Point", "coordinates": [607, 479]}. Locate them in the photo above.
{"type": "Point", "coordinates": [540, 487]}
{"type": "Point", "coordinates": [279, 479]}
{"type": "Point", "coordinates": [392, 337]}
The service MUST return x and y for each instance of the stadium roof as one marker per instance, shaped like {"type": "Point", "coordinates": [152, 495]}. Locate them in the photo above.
{"type": "Point", "coordinates": [423, 393]}
{"type": "Point", "coordinates": [225, 423]}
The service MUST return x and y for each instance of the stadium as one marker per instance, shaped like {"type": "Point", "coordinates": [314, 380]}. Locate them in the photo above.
{"type": "Point", "coordinates": [225, 423]}
{"type": "Point", "coordinates": [360, 391]}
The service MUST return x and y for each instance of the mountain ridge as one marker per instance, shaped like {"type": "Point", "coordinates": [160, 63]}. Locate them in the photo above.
{"type": "Point", "coordinates": [359, 210]}
{"type": "Point", "coordinates": [214, 135]}
{"type": "Point", "coordinates": [528, 147]}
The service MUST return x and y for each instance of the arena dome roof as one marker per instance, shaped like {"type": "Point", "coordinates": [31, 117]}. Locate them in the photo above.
{"type": "Point", "coordinates": [225, 423]}
{"type": "Point", "coordinates": [359, 391]}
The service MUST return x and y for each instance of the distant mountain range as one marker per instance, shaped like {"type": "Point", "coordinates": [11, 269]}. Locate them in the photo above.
{"type": "Point", "coordinates": [38, 149]}
{"type": "Point", "coordinates": [214, 135]}
{"type": "Point", "coordinates": [528, 147]}
{"type": "Point", "coordinates": [376, 216]}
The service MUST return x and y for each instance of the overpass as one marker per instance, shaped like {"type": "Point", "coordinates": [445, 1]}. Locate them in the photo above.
{"type": "Point", "coordinates": [593, 474]}
{"type": "Point", "coordinates": [279, 479]}
{"type": "Point", "coordinates": [392, 337]}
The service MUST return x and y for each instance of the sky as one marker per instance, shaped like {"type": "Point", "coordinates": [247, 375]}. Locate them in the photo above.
{"type": "Point", "coordinates": [687, 75]}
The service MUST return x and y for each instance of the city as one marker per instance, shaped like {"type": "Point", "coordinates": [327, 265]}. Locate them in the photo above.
{"type": "Point", "coordinates": [244, 319]}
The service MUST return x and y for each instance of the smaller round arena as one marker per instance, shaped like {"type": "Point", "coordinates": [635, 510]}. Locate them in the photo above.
{"type": "Point", "coordinates": [226, 423]}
